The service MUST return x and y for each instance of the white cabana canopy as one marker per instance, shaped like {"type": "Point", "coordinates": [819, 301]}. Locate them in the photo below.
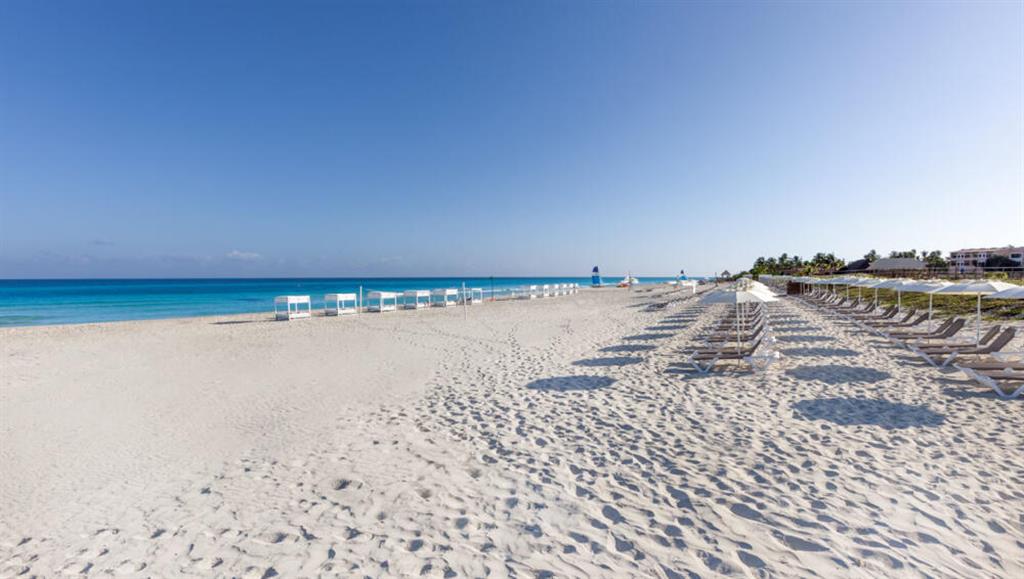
{"type": "Point", "coordinates": [382, 298]}
{"type": "Point", "coordinates": [443, 297]}
{"type": "Point", "coordinates": [340, 304]}
{"type": "Point", "coordinates": [412, 299]}
{"type": "Point", "coordinates": [291, 307]}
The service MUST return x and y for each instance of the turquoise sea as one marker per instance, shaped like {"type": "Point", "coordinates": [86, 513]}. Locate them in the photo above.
{"type": "Point", "coordinates": [41, 302]}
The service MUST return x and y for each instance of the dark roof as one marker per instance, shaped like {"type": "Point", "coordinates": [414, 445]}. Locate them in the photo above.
{"type": "Point", "coordinates": [888, 263]}
{"type": "Point", "coordinates": [858, 265]}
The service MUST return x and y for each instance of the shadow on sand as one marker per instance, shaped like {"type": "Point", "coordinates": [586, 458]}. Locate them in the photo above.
{"type": "Point", "coordinates": [641, 337]}
{"type": "Point", "coordinates": [819, 352]}
{"type": "Point", "coordinates": [837, 374]}
{"type": "Point", "coordinates": [867, 412]}
{"type": "Point", "coordinates": [805, 338]}
{"type": "Point", "coordinates": [616, 361]}
{"type": "Point", "coordinates": [626, 348]}
{"type": "Point", "coordinates": [566, 383]}
{"type": "Point", "coordinates": [232, 322]}
{"type": "Point", "coordinates": [792, 329]}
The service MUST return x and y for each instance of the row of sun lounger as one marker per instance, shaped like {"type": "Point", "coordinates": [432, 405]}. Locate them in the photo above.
{"type": "Point", "coordinates": [983, 360]}
{"type": "Point", "coordinates": [731, 337]}
{"type": "Point", "coordinates": [548, 290]}
{"type": "Point", "coordinates": [299, 306]}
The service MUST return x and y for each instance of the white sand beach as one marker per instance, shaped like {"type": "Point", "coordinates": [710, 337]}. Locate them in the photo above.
{"type": "Point", "coordinates": [546, 438]}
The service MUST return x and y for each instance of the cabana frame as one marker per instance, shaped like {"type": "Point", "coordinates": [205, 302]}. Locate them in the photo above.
{"type": "Point", "coordinates": [382, 300]}
{"type": "Point", "coordinates": [340, 304]}
{"type": "Point", "coordinates": [473, 295]}
{"type": "Point", "coordinates": [444, 297]}
{"type": "Point", "coordinates": [419, 299]}
{"type": "Point", "coordinates": [292, 307]}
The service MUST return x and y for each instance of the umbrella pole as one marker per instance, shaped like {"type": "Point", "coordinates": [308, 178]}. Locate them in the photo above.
{"type": "Point", "coordinates": [899, 302]}
{"type": "Point", "coordinates": [738, 306]}
{"type": "Point", "coordinates": [876, 297]}
{"type": "Point", "coordinates": [977, 325]}
{"type": "Point", "coordinates": [930, 296]}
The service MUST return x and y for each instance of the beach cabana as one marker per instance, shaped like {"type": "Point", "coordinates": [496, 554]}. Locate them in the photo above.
{"type": "Point", "coordinates": [339, 304]}
{"type": "Point", "coordinates": [444, 297]}
{"type": "Point", "coordinates": [415, 299]}
{"type": "Point", "coordinates": [473, 295]}
{"type": "Point", "coordinates": [382, 301]}
{"type": "Point", "coordinates": [545, 291]}
{"type": "Point", "coordinates": [292, 307]}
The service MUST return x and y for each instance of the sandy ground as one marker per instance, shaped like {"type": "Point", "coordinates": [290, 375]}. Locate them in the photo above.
{"type": "Point", "coordinates": [557, 437]}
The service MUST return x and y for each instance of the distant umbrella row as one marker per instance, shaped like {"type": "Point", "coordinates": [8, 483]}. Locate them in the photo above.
{"type": "Point", "coordinates": [338, 304]}
{"type": "Point", "coordinates": [982, 289]}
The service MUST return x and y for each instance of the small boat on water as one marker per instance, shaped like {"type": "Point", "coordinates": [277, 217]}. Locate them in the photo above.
{"type": "Point", "coordinates": [628, 281]}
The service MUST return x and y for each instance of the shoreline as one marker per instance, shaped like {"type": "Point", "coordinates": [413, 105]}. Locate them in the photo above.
{"type": "Point", "coordinates": [125, 300]}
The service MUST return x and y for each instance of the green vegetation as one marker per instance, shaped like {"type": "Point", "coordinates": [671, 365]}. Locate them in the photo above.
{"type": "Point", "coordinates": [820, 263]}
{"type": "Point", "coordinates": [950, 305]}
{"type": "Point", "coordinates": [932, 258]}
{"type": "Point", "coordinates": [828, 262]}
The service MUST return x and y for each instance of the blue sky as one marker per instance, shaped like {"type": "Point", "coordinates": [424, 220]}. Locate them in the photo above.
{"type": "Point", "coordinates": [457, 138]}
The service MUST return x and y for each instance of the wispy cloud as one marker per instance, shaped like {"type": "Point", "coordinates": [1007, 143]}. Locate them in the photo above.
{"type": "Point", "coordinates": [243, 255]}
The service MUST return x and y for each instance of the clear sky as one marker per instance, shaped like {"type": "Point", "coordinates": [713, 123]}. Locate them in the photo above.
{"type": "Point", "coordinates": [221, 138]}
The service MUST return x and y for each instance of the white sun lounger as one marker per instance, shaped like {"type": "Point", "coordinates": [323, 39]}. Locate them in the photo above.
{"type": "Point", "coordinates": [529, 293]}
{"type": "Point", "coordinates": [992, 382]}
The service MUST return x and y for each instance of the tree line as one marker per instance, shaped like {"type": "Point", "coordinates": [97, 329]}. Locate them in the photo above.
{"type": "Point", "coordinates": [820, 263]}
{"type": "Point", "coordinates": [828, 262]}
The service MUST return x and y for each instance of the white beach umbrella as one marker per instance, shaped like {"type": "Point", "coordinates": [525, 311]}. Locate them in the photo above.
{"type": "Point", "coordinates": [736, 296]}
{"type": "Point", "coordinates": [863, 282]}
{"type": "Point", "coordinates": [892, 284]}
{"type": "Point", "coordinates": [849, 281]}
{"type": "Point", "coordinates": [1014, 293]}
{"type": "Point", "coordinates": [760, 288]}
{"type": "Point", "coordinates": [981, 287]}
{"type": "Point", "coordinates": [927, 287]}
